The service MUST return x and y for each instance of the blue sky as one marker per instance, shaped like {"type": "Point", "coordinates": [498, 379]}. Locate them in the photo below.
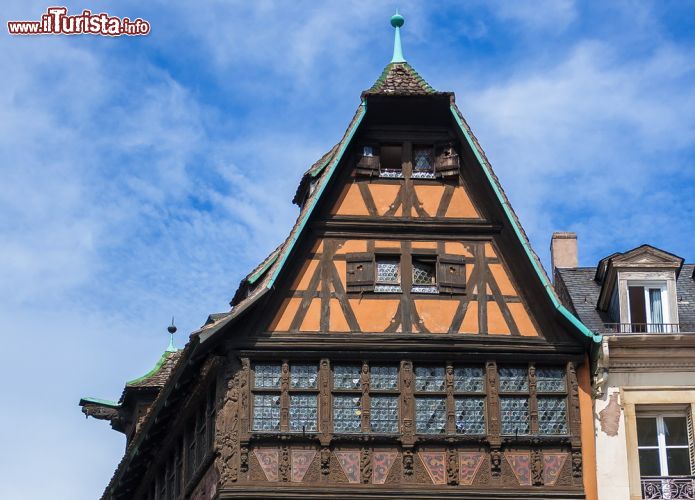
{"type": "Point", "coordinates": [143, 177]}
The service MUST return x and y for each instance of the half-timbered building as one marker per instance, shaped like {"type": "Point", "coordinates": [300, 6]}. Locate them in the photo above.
{"type": "Point", "coordinates": [403, 342]}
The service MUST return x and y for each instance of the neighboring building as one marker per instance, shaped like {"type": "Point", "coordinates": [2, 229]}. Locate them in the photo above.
{"type": "Point", "coordinates": [643, 302]}
{"type": "Point", "coordinates": [403, 342]}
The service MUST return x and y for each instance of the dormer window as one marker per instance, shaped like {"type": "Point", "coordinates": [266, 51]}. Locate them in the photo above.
{"type": "Point", "coordinates": [423, 162]}
{"type": "Point", "coordinates": [647, 307]}
{"type": "Point", "coordinates": [391, 162]}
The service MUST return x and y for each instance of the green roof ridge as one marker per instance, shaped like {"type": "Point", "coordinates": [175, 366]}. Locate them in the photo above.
{"type": "Point", "coordinates": [154, 370]}
{"type": "Point", "coordinates": [103, 402]}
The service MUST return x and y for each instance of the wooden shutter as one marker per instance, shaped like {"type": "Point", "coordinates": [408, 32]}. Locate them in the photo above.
{"type": "Point", "coordinates": [451, 273]}
{"type": "Point", "coordinates": [368, 165]}
{"type": "Point", "coordinates": [446, 163]}
{"type": "Point", "coordinates": [360, 272]}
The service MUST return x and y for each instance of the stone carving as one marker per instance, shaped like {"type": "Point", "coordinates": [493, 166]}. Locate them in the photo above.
{"type": "Point", "coordinates": [227, 434]}
{"type": "Point", "coordinates": [301, 461]}
{"type": "Point", "coordinates": [406, 402]}
{"type": "Point", "coordinates": [364, 383]}
{"type": "Point", "coordinates": [496, 463]}
{"type": "Point", "coordinates": [435, 465]}
{"type": "Point", "coordinates": [536, 467]}
{"type": "Point", "coordinates": [609, 417]}
{"type": "Point", "coordinates": [493, 404]}
{"type": "Point", "coordinates": [350, 463]}
{"type": "Point", "coordinates": [365, 466]}
{"type": "Point", "coordinates": [285, 463]}
{"type": "Point", "coordinates": [574, 413]}
{"type": "Point", "coordinates": [244, 458]}
{"type": "Point", "coordinates": [452, 470]}
{"type": "Point", "coordinates": [244, 393]}
{"type": "Point", "coordinates": [325, 409]}
{"type": "Point", "coordinates": [469, 463]}
{"type": "Point", "coordinates": [520, 463]}
{"type": "Point", "coordinates": [382, 462]}
{"type": "Point", "coordinates": [325, 460]}
{"type": "Point", "coordinates": [552, 466]}
{"type": "Point", "coordinates": [533, 406]}
{"type": "Point", "coordinates": [576, 464]}
{"type": "Point", "coordinates": [408, 462]}
{"type": "Point", "coordinates": [268, 459]}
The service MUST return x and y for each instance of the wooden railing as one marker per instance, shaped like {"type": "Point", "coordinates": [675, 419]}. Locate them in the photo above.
{"type": "Point", "coordinates": [667, 487]}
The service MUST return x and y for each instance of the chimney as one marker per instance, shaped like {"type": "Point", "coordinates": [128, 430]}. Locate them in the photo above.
{"type": "Point", "coordinates": [563, 250]}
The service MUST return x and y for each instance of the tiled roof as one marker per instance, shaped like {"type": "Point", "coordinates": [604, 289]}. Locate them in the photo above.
{"type": "Point", "coordinates": [159, 374]}
{"type": "Point", "coordinates": [400, 79]}
{"type": "Point", "coordinates": [685, 289]}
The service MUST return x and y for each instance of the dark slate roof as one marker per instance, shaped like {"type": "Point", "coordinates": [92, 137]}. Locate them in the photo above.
{"type": "Point", "coordinates": [579, 290]}
{"type": "Point", "coordinates": [685, 289]}
{"type": "Point", "coordinates": [400, 79]}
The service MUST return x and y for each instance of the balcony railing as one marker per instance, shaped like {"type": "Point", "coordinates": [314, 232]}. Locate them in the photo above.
{"type": "Point", "coordinates": [648, 328]}
{"type": "Point", "coordinates": [668, 488]}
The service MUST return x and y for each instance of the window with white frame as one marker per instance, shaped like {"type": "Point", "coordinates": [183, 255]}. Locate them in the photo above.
{"type": "Point", "coordinates": [663, 444]}
{"type": "Point", "coordinates": [648, 307]}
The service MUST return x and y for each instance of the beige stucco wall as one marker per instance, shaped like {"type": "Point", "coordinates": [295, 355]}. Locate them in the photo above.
{"type": "Point", "coordinates": [616, 456]}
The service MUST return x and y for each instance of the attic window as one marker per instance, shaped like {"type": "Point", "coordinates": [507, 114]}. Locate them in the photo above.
{"type": "Point", "coordinates": [391, 162]}
{"type": "Point", "coordinates": [388, 274]}
{"type": "Point", "coordinates": [424, 275]}
{"type": "Point", "coordinates": [423, 163]}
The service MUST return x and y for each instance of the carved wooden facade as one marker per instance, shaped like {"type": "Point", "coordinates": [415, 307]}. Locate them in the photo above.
{"type": "Point", "coordinates": [399, 344]}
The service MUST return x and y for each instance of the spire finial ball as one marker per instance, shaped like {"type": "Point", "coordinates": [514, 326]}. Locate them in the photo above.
{"type": "Point", "coordinates": [397, 20]}
{"type": "Point", "coordinates": [172, 328]}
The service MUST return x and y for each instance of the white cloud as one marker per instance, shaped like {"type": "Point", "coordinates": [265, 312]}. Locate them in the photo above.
{"type": "Point", "coordinates": [552, 15]}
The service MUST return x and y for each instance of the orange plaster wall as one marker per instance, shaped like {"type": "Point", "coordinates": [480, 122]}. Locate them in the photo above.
{"type": "Point", "coordinates": [496, 325]}
{"type": "Point", "coordinates": [586, 411]}
{"type": "Point", "coordinates": [374, 315]}
{"type": "Point", "coordinates": [312, 320]}
{"type": "Point", "coordinates": [351, 246]}
{"type": "Point", "coordinates": [502, 279]}
{"type": "Point", "coordinates": [429, 198]}
{"type": "Point", "coordinates": [436, 315]}
{"type": "Point", "coordinates": [386, 244]}
{"type": "Point", "coordinates": [283, 318]}
{"type": "Point", "coordinates": [305, 274]}
{"type": "Point", "coordinates": [461, 205]}
{"type": "Point", "coordinates": [522, 319]}
{"type": "Point", "coordinates": [424, 245]}
{"type": "Point", "coordinates": [350, 202]}
{"type": "Point", "coordinates": [470, 320]}
{"type": "Point", "coordinates": [456, 248]}
{"type": "Point", "coordinates": [337, 321]}
{"type": "Point", "coordinates": [384, 196]}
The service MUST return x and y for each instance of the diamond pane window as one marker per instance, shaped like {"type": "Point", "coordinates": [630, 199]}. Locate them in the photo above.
{"type": "Point", "coordinates": [384, 414]}
{"type": "Point", "coordinates": [423, 163]}
{"type": "Point", "coordinates": [266, 412]}
{"type": "Point", "coordinates": [552, 415]}
{"type": "Point", "coordinates": [346, 377]}
{"type": "Point", "coordinates": [430, 415]}
{"type": "Point", "coordinates": [470, 415]}
{"type": "Point", "coordinates": [303, 376]}
{"type": "Point", "coordinates": [513, 378]}
{"type": "Point", "coordinates": [347, 413]}
{"type": "Point", "coordinates": [383, 377]}
{"type": "Point", "coordinates": [388, 271]}
{"type": "Point", "coordinates": [429, 378]}
{"type": "Point", "coordinates": [550, 379]}
{"type": "Point", "coordinates": [515, 415]}
{"type": "Point", "coordinates": [303, 412]}
{"type": "Point", "coordinates": [424, 272]}
{"type": "Point", "coordinates": [267, 375]}
{"type": "Point", "coordinates": [469, 379]}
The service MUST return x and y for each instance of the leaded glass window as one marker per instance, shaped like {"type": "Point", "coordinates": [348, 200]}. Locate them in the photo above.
{"type": "Point", "coordinates": [424, 275]}
{"type": "Point", "coordinates": [469, 379]}
{"type": "Point", "coordinates": [267, 375]}
{"type": "Point", "coordinates": [550, 379]}
{"type": "Point", "coordinates": [423, 163]}
{"type": "Point", "coordinates": [266, 412]}
{"type": "Point", "coordinates": [303, 376]}
{"type": "Point", "coordinates": [470, 415]}
{"type": "Point", "coordinates": [384, 414]}
{"type": "Point", "coordinates": [513, 378]}
{"type": "Point", "coordinates": [430, 415]}
{"type": "Point", "coordinates": [346, 376]}
{"type": "Point", "coordinates": [383, 377]}
{"type": "Point", "coordinates": [429, 378]}
{"type": "Point", "coordinates": [347, 414]}
{"type": "Point", "coordinates": [388, 274]}
{"type": "Point", "coordinates": [552, 415]}
{"type": "Point", "coordinates": [303, 412]}
{"type": "Point", "coordinates": [515, 415]}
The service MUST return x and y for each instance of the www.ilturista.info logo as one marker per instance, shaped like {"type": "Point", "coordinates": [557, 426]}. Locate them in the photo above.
{"type": "Point", "coordinates": [56, 21]}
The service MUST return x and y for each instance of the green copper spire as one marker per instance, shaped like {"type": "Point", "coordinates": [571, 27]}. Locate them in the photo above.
{"type": "Point", "coordinates": [397, 21]}
{"type": "Point", "coordinates": [172, 330]}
